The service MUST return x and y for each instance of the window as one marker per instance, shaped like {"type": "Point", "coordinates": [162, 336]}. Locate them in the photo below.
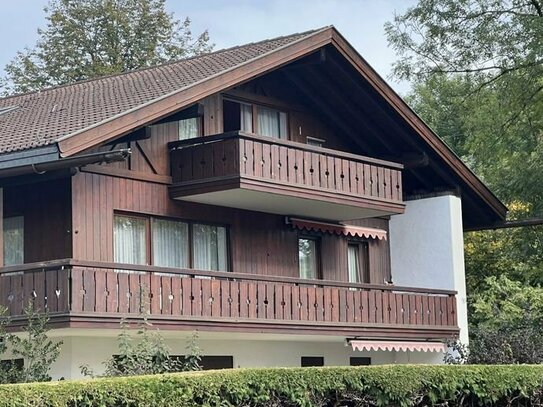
{"type": "Point", "coordinates": [257, 119]}
{"type": "Point", "coordinates": [358, 262]}
{"type": "Point", "coordinates": [190, 128]}
{"type": "Point", "coordinates": [308, 258]}
{"type": "Point", "coordinates": [209, 247]}
{"type": "Point", "coordinates": [16, 364]}
{"type": "Point", "coordinates": [271, 122]}
{"type": "Point", "coordinates": [359, 361]}
{"type": "Point", "coordinates": [217, 362]}
{"type": "Point", "coordinates": [169, 243]}
{"type": "Point", "coordinates": [130, 237]}
{"type": "Point", "coordinates": [13, 240]}
{"type": "Point", "coordinates": [308, 361]}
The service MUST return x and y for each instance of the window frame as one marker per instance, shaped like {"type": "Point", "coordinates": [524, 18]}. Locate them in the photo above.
{"type": "Point", "coordinates": [254, 109]}
{"type": "Point", "coordinates": [307, 361]}
{"type": "Point", "coordinates": [364, 267]}
{"type": "Point", "coordinates": [200, 120]}
{"type": "Point", "coordinates": [149, 237]}
{"type": "Point", "coordinates": [318, 246]}
{"type": "Point", "coordinates": [16, 215]}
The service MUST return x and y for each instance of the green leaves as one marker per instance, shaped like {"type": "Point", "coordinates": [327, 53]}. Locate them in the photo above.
{"type": "Point", "coordinates": [91, 38]}
{"type": "Point", "coordinates": [363, 386]}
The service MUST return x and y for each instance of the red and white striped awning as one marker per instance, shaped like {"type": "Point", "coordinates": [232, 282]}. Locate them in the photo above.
{"type": "Point", "coordinates": [338, 229]}
{"type": "Point", "coordinates": [398, 346]}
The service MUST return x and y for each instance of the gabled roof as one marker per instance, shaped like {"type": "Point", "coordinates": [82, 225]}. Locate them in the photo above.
{"type": "Point", "coordinates": [83, 115]}
{"type": "Point", "coordinates": [46, 117]}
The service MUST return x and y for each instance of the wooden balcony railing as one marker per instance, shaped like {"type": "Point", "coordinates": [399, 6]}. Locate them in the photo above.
{"type": "Point", "coordinates": [207, 163]}
{"type": "Point", "coordinates": [105, 290]}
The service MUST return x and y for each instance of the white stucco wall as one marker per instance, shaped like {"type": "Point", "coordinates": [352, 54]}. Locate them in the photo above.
{"type": "Point", "coordinates": [427, 249]}
{"type": "Point", "coordinates": [93, 347]}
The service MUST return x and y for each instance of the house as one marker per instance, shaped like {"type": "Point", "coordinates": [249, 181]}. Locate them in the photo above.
{"type": "Point", "coordinates": [278, 197]}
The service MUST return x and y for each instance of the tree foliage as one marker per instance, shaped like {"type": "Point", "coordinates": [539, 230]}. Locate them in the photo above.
{"type": "Point", "coordinates": [88, 38]}
{"type": "Point", "coordinates": [477, 71]}
{"type": "Point", "coordinates": [507, 325]}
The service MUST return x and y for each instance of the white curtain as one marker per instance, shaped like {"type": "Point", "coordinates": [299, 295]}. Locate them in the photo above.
{"type": "Point", "coordinates": [13, 240]}
{"type": "Point", "coordinates": [189, 128]}
{"type": "Point", "coordinates": [130, 244]}
{"type": "Point", "coordinates": [170, 243]}
{"type": "Point", "coordinates": [353, 263]}
{"type": "Point", "coordinates": [209, 247]}
{"type": "Point", "coordinates": [272, 123]}
{"type": "Point", "coordinates": [307, 257]}
{"type": "Point", "coordinates": [246, 118]}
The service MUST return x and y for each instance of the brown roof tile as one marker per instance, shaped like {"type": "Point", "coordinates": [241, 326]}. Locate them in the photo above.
{"type": "Point", "coordinates": [41, 118]}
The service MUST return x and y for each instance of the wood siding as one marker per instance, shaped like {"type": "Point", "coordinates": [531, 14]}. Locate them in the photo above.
{"type": "Point", "coordinates": [259, 243]}
{"type": "Point", "coordinates": [200, 163]}
{"type": "Point", "coordinates": [46, 208]}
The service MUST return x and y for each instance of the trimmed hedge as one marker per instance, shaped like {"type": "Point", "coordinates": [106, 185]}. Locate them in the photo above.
{"type": "Point", "coordinates": [407, 385]}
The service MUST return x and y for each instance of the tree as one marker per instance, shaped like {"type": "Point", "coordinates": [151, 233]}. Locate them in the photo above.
{"type": "Point", "coordinates": [490, 39]}
{"type": "Point", "coordinates": [477, 72]}
{"type": "Point", "coordinates": [89, 38]}
{"type": "Point", "coordinates": [481, 61]}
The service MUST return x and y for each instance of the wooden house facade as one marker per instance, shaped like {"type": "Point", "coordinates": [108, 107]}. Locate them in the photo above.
{"type": "Point", "coordinates": [267, 193]}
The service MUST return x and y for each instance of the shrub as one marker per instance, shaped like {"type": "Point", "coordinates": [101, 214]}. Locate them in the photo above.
{"type": "Point", "coordinates": [144, 352]}
{"type": "Point", "coordinates": [32, 345]}
{"type": "Point", "coordinates": [342, 386]}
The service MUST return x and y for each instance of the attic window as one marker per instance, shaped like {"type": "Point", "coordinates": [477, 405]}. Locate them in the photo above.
{"type": "Point", "coordinates": [7, 109]}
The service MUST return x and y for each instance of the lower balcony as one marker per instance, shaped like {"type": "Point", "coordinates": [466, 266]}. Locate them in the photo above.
{"type": "Point", "coordinates": [270, 175]}
{"type": "Point", "coordinates": [93, 294]}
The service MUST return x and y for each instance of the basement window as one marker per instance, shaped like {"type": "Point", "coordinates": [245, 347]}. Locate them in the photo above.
{"type": "Point", "coordinates": [359, 361]}
{"type": "Point", "coordinates": [309, 361]}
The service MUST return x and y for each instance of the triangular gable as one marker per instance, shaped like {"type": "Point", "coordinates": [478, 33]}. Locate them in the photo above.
{"type": "Point", "coordinates": [156, 109]}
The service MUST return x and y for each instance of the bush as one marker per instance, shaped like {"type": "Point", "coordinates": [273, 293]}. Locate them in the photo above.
{"type": "Point", "coordinates": [342, 386]}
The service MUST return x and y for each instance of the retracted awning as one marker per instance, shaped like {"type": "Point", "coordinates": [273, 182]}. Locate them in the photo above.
{"type": "Point", "coordinates": [338, 229]}
{"type": "Point", "coordinates": [398, 346]}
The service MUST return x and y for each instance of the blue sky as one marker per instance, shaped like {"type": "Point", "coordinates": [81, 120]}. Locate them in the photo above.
{"type": "Point", "coordinates": [234, 22]}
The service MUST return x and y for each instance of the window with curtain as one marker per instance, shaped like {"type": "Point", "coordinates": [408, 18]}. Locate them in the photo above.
{"type": "Point", "coordinates": [209, 251]}
{"type": "Point", "coordinates": [246, 117]}
{"type": "Point", "coordinates": [190, 128]}
{"type": "Point", "coordinates": [308, 258]}
{"type": "Point", "coordinates": [170, 243]}
{"type": "Point", "coordinates": [271, 122]}
{"type": "Point", "coordinates": [13, 240]}
{"type": "Point", "coordinates": [130, 240]}
{"type": "Point", "coordinates": [358, 262]}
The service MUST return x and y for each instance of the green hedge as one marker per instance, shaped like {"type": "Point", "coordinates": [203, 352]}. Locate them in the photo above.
{"type": "Point", "coordinates": [415, 385]}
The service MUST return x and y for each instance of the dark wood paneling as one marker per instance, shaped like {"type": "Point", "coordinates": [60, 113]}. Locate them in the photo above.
{"type": "Point", "coordinates": [46, 208]}
{"type": "Point", "coordinates": [94, 288]}
{"type": "Point", "coordinates": [260, 243]}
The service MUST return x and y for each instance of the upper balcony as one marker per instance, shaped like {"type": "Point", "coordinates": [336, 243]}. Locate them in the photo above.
{"type": "Point", "coordinates": [267, 174]}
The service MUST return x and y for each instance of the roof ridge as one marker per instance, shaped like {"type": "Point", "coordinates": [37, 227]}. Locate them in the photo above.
{"type": "Point", "coordinates": [168, 63]}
